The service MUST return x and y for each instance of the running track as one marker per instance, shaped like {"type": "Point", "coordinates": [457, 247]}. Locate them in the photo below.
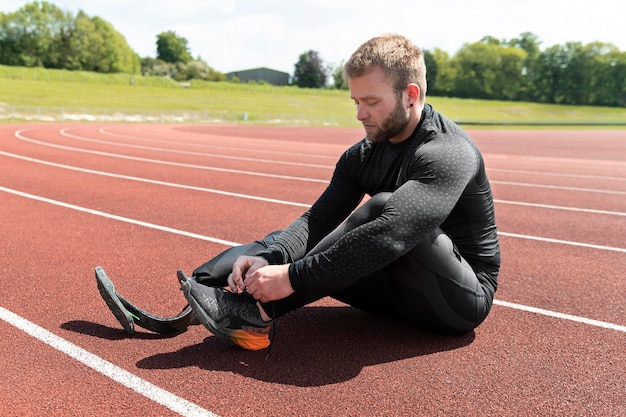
{"type": "Point", "coordinates": [146, 200]}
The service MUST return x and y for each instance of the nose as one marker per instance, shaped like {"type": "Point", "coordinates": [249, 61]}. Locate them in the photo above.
{"type": "Point", "coordinates": [361, 113]}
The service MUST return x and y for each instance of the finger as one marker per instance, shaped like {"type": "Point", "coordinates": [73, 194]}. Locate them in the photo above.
{"type": "Point", "coordinates": [240, 267]}
{"type": "Point", "coordinates": [231, 283]}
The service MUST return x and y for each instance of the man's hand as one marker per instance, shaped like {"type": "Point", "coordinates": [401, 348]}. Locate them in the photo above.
{"type": "Point", "coordinates": [269, 283]}
{"type": "Point", "coordinates": [244, 265]}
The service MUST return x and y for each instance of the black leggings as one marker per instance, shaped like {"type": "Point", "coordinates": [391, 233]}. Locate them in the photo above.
{"type": "Point", "coordinates": [432, 286]}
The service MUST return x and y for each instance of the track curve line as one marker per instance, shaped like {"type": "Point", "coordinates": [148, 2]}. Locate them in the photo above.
{"type": "Point", "coordinates": [149, 181]}
{"type": "Point", "coordinates": [169, 163]}
{"type": "Point", "coordinates": [206, 145]}
{"type": "Point", "coordinates": [181, 152]}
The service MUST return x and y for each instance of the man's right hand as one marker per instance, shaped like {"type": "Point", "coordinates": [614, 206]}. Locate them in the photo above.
{"type": "Point", "coordinates": [244, 265]}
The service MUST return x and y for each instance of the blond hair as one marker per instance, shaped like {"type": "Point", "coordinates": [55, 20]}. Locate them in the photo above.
{"type": "Point", "coordinates": [401, 61]}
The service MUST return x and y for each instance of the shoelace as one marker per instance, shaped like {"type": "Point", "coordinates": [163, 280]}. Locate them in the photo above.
{"type": "Point", "coordinates": [274, 325]}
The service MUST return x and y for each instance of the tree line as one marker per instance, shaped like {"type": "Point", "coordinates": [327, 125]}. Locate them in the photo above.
{"type": "Point", "coordinates": [592, 74]}
{"type": "Point", "coordinates": [42, 35]}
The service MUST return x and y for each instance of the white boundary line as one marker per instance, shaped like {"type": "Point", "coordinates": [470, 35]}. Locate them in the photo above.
{"type": "Point", "coordinates": [149, 181]}
{"type": "Point", "coordinates": [182, 152]}
{"type": "Point", "coordinates": [158, 161]}
{"type": "Point", "coordinates": [116, 217]}
{"type": "Point", "coordinates": [553, 207]}
{"type": "Point", "coordinates": [563, 242]}
{"type": "Point", "coordinates": [558, 187]}
{"type": "Point", "coordinates": [563, 316]}
{"type": "Point", "coordinates": [106, 368]}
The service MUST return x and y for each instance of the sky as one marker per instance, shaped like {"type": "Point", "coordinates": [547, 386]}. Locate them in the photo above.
{"type": "Point", "coordinates": [232, 35]}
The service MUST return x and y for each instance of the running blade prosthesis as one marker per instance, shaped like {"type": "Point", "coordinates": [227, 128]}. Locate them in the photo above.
{"type": "Point", "coordinates": [128, 315]}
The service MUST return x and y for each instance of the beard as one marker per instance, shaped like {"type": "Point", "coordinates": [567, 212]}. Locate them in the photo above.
{"type": "Point", "coordinates": [392, 125]}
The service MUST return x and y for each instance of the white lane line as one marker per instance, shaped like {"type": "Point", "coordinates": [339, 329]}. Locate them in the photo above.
{"type": "Point", "coordinates": [228, 243]}
{"type": "Point", "coordinates": [556, 174]}
{"type": "Point", "coordinates": [553, 207]}
{"type": "Point", "coordinates": [20, 136]}
{"type": "Point", "coordinates": [563, 242]}
{"type": "Point", "coordinates": [106, 368]}
{"type": "Point", "coordinates": [562, 316]}
{"type": "Point", "coordinates": [219, 147]}
{"type": "Point", "coordinates": [158, 161]}
{"type": "Point", "coordinates": [558, 187]}
{"type": "Point", "coordinates": [215, 240]}
{"type": "Point", "coordinates": [149, 181]}
{"type": "Point", "coordinates": [270, 200]}
{"type": "Point", "coordinates": [181, 152]}
{"type": "Point", "coordinates": [118, 218]}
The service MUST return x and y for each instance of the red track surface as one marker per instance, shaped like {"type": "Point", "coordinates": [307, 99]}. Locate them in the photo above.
{"type": "Point", "coordinates": [561, 207]}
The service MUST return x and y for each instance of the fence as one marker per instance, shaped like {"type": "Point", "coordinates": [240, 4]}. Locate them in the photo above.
{"type": "Point", "coordinates": [63, 114]}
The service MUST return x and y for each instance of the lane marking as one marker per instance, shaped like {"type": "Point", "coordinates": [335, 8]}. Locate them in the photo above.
{"type": "Point", "coordinates": [563, 242]}
{"type": "Point", "coordinates": [178, 151]}
{"type": "Point", "coordinates": [19, 135]}
{"type": "Point", "coordinates": [332, 157]}
{"type": "Point", "coordinates": [562, 316]}
{"type": "Point", "coordinates": [556, 174]}
{"type": "Point", "coordinates": [158, 161]}
{"type": "Point", "coordinates": [149, 181]}
{"type": "Point", "coordinates": [559, 187]}
{"type": "Point", "coordinates": [106, 368]}
{"type": "Point", "coordinates": [266, 199]}
{"type": "Point", "coordinates": [118, 218]}
{"type": "Point", "coordinates": [553, 207]}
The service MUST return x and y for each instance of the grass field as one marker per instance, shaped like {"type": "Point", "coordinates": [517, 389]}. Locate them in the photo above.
{"type": "Point", "coordinates": [43, 94]}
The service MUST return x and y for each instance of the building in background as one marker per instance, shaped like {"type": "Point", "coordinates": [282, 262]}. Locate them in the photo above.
{"type": "Point", "coordinates": [268, 75]}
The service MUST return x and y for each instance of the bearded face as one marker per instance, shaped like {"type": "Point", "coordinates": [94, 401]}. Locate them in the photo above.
{"type": "Point", "coordinates": [386, 115]}
{"type": "Point", "coordinates": [392, 125]}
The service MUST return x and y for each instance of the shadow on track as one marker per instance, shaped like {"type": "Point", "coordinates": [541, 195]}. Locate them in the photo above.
{"type": "Point", "coordinates": [110, 333]}
{"type": "Point", "coordinates": [314, 346]}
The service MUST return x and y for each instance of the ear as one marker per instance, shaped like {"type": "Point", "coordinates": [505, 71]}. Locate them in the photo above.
{"type": "Point", "coordinates": [413, 93]}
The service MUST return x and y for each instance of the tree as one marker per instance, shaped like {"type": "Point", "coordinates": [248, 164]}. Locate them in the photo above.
{"type": "Point", "coordinates": [40, 34]}
{"type": "Point", "coordinates": [476, 71]}
{"type": "Point", "coordinates": [337, 73]}
{"type": "Point", "coordinates": [489, 70]}
{"type": "Point", "coordinates": [97, 46]}
{"type": "Point", "coordinates": [172, 48]}
{"type": "Point", "coordinates": [446, 73]}
{"type": "Point", "coordinates": [530, 44]}
{"type": "Point", "coordinates": [32, 35]}
{"type": "Point", "coordinates": [309, 71]}
{"type": "Point", "coordinates": [609, 84]}
{"type": "Point", "coordinates": [440, 72]}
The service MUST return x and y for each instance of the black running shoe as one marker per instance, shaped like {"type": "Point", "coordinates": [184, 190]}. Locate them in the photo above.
{"type": "Point", "coordinates": [234, 317]}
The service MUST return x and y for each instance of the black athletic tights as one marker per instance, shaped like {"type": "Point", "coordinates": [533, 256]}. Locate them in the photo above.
{"type": "Point", "coordinates": [432, 286]}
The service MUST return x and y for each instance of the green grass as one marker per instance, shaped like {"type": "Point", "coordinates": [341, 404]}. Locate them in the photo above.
{"type": "Point", "coordinates": [25, 92]}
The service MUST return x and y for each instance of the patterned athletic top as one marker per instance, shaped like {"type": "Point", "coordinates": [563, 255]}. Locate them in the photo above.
{"type": "Point", "coordinates": [438, 179]}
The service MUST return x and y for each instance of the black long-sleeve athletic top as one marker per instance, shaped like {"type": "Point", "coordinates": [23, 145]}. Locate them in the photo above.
{"type": "Point", "coordinates": [437, 177]}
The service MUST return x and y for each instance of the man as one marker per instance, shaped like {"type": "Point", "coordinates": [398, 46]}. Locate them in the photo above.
{"type": "Point", "coordinates": [423, 248]}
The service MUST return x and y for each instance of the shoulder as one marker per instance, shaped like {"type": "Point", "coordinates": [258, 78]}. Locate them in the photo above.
{"type": "Point", "coordinates": [358, 152]}
{"type": "Point", "coordinates": [441, 134]}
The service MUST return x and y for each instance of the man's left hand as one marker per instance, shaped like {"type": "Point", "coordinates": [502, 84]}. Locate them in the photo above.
{"type": "Point", "coordinates": [269, 283]}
